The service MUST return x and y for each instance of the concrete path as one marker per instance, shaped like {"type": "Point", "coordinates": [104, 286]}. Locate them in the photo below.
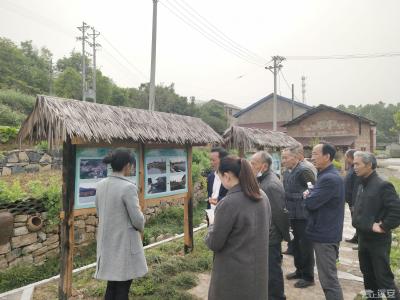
{"type": "Point", "coordinates": [349, 273]}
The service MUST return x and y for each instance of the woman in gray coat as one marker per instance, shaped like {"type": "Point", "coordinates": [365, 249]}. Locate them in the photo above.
{"type": "Point", "coordinates": [120, 255]}
{"type": "Point", "coordinates": [239, 236]}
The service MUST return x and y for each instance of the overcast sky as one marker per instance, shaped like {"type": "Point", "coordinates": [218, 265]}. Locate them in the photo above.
{"type": "Point", "coordinates": [203, 69]}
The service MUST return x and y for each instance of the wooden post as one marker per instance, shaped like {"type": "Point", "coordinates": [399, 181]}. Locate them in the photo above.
{"type": "Point", "coordinates": [142, 184]}
{"type": "Point", "coordinates": [188, 207]}
{"type": "Point", "coordinates": [241, 151]}
{"type": "Point", "coordinates": [67, 223]}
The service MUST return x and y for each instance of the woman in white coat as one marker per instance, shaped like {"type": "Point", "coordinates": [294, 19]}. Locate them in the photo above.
{"type": "Point", "coordinates": [120, 255]}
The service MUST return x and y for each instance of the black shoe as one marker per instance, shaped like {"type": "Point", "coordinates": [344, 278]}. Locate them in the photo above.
{"type": "Point", "coordinates": [293, 275]}
{"type": "Point", "coordinates": [353, 240]}
{"type": "Point", "coordinates": [302, 284]}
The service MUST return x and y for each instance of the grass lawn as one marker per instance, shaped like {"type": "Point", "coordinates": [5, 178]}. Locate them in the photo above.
{"type": "Point", "coordinates": [171, 274]}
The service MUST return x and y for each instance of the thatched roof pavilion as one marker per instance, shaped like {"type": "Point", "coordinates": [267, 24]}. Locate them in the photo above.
{"type": "Point", "coordinates": [246, 139]}
{"type": "Point", "coordinates": [53, 119]}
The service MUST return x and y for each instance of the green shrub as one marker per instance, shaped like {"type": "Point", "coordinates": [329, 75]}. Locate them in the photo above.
{"type": "Point", "coordinates": [8, 134]}
{"type": "Point", "coordinates": [12, 192]}
{"type": "Point", "coordinates": [337, 164]}
{"type": "Point", "coordinates": [17, 101]}
{"type": "Point", "coordinates": [50, 195]}
{"type": "Point", "coordinates": [201, 164]}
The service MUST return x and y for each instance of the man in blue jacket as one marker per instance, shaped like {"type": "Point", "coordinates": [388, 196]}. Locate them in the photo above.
{"type": "Point", "coordinates": [325, 204]}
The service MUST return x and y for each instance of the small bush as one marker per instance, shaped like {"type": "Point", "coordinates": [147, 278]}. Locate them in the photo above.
{"type": "Point", "coordinates": [11, 193]}
{"type": "Point", "coordinates": [8, 134]}
{"type": "Point", "coordinates": [337, 164]}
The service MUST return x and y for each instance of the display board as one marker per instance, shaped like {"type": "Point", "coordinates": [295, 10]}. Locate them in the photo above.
{"type": "Point", "coordinates": [165, 172]}
{"type": "Point", "coordinates": [90, 169]}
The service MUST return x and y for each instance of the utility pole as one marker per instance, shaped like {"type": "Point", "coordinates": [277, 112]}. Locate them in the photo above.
{"type": "Point", "coordinates": [303, 88]}
{"type": "Point", "coordinates": [83, 39]}
{"type": "Point", "coordinates": [94, 45]}
{"type": "Point", "coordinates": [152, 92]}
{"type": "Point", "coordinates": [292, 101]}
{"type": "Point", "coordinates": [275, 69]}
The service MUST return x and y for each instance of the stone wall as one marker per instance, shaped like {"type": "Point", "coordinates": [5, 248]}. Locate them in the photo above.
{"type": "Point", "coordinates": [25, 246]}
{"type": "Point", "coordinates": [29, 247]}
{"type": "Point", "coordinates": [29, 161]}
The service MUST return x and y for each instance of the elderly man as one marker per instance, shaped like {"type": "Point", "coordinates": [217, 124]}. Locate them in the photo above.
{"type": "Point", "coordinates": [376, 213]}
{"type": "Point", "coordinates": [295, 181]}
{"type": "Point", "coordinates": [215, 189]}
{"type": "Point", "coordinates": [325, 204]}
{"type": "Point", "coordinates": [350, 183]}
{"type": "Point", "coordinates": [261, 163]}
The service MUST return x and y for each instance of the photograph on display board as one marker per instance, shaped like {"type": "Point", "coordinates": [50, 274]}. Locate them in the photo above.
{"type": "Point", "coordinates": [177, 164]}
{"type": "Point", "coordinates": [157, 184]}
{"type": "Point", "coordinates": [156, 165]}
{"type": "Point", "coordinates": [90, 169]}
{"type": "Point", "coordinates": [177, 182]}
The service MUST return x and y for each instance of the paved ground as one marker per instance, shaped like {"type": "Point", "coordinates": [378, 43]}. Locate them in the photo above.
{"type": "Point", "coordinates": [349, 274]}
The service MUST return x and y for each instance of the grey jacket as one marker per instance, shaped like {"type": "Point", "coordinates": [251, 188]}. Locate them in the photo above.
{"type": "Point", "coordinates": [120, 254]}
{"type": "Point", "coordinates": [273, 187]}
{"type": "Point", "coordinates": [239, 238]}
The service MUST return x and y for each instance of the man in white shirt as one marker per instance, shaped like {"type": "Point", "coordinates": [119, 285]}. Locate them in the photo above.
{"type": "Point", "coordinates": [215, 189]}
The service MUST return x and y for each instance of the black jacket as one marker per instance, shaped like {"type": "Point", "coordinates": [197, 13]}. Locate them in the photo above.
{"type": "Point", "coordinates": [272, 186]}
{"type": "Point", "coordinates": [210, 183]}
{"type": "Point", "coordinates": [351, 182]}
{"type": "Point", "coordinates": [376, 201]}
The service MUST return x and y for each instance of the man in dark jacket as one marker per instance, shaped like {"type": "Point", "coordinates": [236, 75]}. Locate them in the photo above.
{"type": "Point", "coordinates": [261, 163]}
{"type": "Point", "coordinates": [215, 190]}
{"type": "Point", "coordinates": [295, 181]}
{"type": "Point", "coordinates": [350, 182]}
{"type": "Point", "coordinates": [376, 214]}
{"type": "Point", "coordinates": [325, 204]}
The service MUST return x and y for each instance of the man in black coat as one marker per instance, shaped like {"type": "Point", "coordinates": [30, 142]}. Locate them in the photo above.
{"type": "Point", "coordinates": [215, 190]}
{"type": "Point", "coordinates": [295, 181]}
{"type": "Point", "coordinates": [350, 183]}
{"type": "Point", "coordinates": [376, 213]}
{"type": "Point", "coordinates": [261, 163]}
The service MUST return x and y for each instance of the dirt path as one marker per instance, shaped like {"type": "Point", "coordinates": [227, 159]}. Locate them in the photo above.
{"type": "Point", "coordinates": [349, 273]}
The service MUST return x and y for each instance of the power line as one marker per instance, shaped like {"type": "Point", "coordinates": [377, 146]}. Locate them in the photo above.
{"type": "Point", "coordinates": [287, 84]}
{"type": "Point", "coordinates": [127, 60]}
{"type": "Point", "coordinates": [345, 56]}
{"type": "Point", "coordinates": [217, 32]}
{"type": "Point", "coordinates": [207, 36]}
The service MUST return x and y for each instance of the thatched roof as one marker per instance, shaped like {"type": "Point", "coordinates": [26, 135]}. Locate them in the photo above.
{"type": "Point", "coordinates": [53, 119]}
{"type": "Point", "coordinates": [250, 138]}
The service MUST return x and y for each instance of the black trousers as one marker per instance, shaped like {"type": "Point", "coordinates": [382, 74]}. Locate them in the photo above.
{"type": "Point", "coordinates": [118, 290]}
{"type": "Point", "coordinates": [303, 251]}
{"type": "Point", "coordinates": [374, 257]}
{"type": "Point", "coordinates": [275, 274]}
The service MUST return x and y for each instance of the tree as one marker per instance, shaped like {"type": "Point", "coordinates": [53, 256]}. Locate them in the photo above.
{"type": "Point", "coordinates": [25, 68]}
{"type": "Point", "coordinates": [396, 128]}
{"type": "Point", "coordinates": [68, 84]}
{"type": "Point", "coordinates": [213, 114]}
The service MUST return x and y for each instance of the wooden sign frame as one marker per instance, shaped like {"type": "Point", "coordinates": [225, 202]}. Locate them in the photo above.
{"type": "Point", "coordinates": [68, 197]}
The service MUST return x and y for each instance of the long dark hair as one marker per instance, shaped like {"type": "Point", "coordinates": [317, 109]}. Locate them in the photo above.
{"type": "Point", "coordinates": [119, 158]}
{"type": "Point", "coordinates": [242, 170]}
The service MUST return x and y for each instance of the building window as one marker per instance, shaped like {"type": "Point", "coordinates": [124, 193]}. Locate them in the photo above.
{"type": "Point", "coordinates": [363, 149]}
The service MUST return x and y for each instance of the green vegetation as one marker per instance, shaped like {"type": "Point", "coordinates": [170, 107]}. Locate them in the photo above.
{"type": "Point", "coordinates": [395, 252]}
{"type": "Point", "coordinates": [43, 186]}
{"type": "Point", "coordinates": [7, 133]}
{"type": "Point", "coordinates": [384, 115]}
{"type": "Point", "coordinates": [170, 222]}
{"type": "Point", "coordinates": [24, 73]}
{"type": "Point", "coordinates": [171, 274]}
{"type": "Point", "coordinates": [201, 164]}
